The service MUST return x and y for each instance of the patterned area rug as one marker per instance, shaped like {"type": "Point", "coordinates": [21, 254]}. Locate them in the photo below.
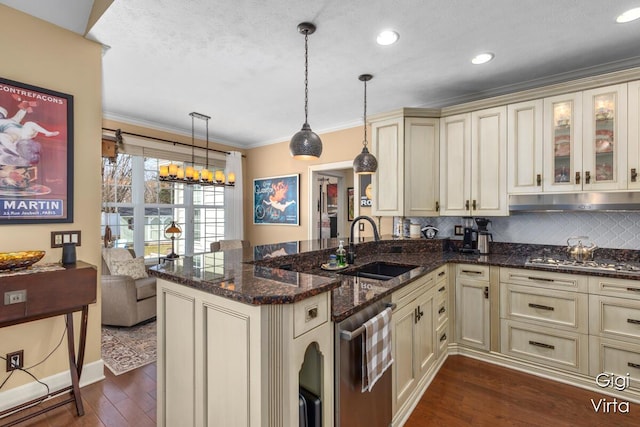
{"type": "Point", "coordinates": [124, 349]}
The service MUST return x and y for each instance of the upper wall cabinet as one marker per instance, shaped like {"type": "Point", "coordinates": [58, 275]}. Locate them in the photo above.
{"type": "Point", "coordinates": [473, 161]}
{"type": "Point", "coordinates": [406, 182]}
{"type": "Point", "coordinates": [633, 159]}
{"type": "Point", "coordinates": [582, 148]}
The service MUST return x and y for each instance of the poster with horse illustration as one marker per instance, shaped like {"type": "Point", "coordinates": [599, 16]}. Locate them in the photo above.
{"type": "Point", "coordinates": [36, 154]}
{"type": "Point", "coordinates": [276, 200]}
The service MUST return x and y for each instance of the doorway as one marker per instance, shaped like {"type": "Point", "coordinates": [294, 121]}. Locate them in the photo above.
{"type": "Point", "coordinates": [328, 200]}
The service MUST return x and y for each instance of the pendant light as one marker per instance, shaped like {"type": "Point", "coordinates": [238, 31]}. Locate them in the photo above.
{"type": "Point", "coordinates": [365, 163]}
{"type": "Point", "coordinates": [306, 144]}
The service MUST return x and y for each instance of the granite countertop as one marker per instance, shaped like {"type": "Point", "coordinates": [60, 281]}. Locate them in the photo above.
{"type": "Point", "coordinates": [262, 275]}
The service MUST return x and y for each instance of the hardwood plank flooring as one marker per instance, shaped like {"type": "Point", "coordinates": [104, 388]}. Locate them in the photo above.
{"type": "Point", "coordinates": [466, 392]}
{"type": "Point", "coordinates": [127, 400]}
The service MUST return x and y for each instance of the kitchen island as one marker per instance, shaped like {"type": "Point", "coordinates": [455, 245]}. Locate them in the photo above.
{"type": "Point", "coordinates": [240, 331]}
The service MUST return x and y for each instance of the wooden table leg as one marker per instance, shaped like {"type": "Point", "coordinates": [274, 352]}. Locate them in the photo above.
{"type": "Point", "coordinates": [73, 367]}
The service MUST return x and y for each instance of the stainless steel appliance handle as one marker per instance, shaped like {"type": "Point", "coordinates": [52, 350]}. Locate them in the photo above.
{"type": "Point", "coordinates": [350, 335]}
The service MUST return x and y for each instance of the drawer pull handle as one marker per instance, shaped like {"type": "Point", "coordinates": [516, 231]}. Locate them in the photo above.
{"type": "Point", "coordinates": [633, 365]}
{"type": "Point", "coordinates": [544, 279]}
{"type": "Point", "coordinates": [443, 337]}
{"type": "Point", "coordinates": [442, 273]}
{"type": "Point", "coordinates": [471, 272]}
{"type": "Point", "coordinates": [541, 307]}
{"type": "Point", "coordinates": [634, 321]}
{"type": "Point", "coordinates": [442, 310]}
{"type": "Point", "coordinates": [441, 289]}
{"type": "Point", "coordinates": [312, 313]}
{"type": "Point", "coordinates": [543, 345]}
{"type": "Point", "coordinates": [634, 289]}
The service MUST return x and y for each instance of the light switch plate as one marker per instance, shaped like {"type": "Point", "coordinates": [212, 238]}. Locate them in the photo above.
{"type": "Point", "coordinates": [58, 238]}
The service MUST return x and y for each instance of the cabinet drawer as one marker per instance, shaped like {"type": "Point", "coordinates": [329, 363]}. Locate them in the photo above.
{"type": "Point", "coordinates": [477, 272]}
{"type": "Point", "coordinates": [440, 274]}
{"type": "Point", "coordinates": [410, 292]}
{"type": "Point", "coordinates": [615, 317]}
{"type": "Point", "coordinates": [614, 357]}
{"type": "Point", "coordinates": [545, 279]}
{"type": "Point", "coordinates": [550, 347]}
{"type": "Point", "coordinates": [442, 339]}
{"type": "Point", "coordinates": [310, 313]}
{"type": "Point", "coordinates": [623, 288]}
{"type": "Point", "coordinates": [442, 311]}
{"type": "Point", "coordinates": [567, 310]}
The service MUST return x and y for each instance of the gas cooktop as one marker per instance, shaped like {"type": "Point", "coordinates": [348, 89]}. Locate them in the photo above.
{"type": "Point", "coordinates": [601, 265]}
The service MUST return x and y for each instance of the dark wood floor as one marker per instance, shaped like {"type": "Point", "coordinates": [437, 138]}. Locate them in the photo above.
{"type": "Point", "coordinates": [466, 392]}
{"type": "Point", "coordinates": [125, 400]}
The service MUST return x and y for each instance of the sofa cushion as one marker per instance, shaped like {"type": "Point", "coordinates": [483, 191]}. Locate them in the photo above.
{"type": "Point", "coordinates": [145, 288]}
{"type": "Point", "coordinates": [114, 254]}
{"type": "Point", "coordinates": [133, 268]}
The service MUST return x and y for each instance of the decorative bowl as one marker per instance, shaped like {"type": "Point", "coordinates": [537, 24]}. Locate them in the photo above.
{"type": "Point", "coordinates": [18, 260]}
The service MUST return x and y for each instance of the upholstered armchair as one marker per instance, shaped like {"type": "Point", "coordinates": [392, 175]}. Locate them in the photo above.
{"type": "Point", "coordinates": [224, 245]}
{"type": "Point", "coordinates": [128, 293]}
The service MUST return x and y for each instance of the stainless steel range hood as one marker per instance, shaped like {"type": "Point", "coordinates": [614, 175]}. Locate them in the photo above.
{"type": "Point", "coordinates": [580, 202]}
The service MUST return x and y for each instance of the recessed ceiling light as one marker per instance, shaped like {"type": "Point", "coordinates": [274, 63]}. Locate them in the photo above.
{"type": "Point", "coordinates": [629, 15]}
{"type": "Point", "coordinates": [482, 58]}
{"type": "Point", "coordinates": [387, 37]}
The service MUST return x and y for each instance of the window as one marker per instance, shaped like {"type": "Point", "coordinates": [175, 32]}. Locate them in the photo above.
{"type": "Point", "coordinates": [138, 207]}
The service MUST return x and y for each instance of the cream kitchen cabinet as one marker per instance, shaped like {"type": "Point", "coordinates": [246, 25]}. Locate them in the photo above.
{"type": "Point", "coordinates": [406, 145]}
{"type": "Point", "coordinates": [222, 362]}
{"type": "Point", "coordinates": [586, 140]}
{"type": "Point", "coordinates": [473, 322]}
{"type": "Point", "coordinates": [524, 147]}
{"type": "Point", "coordinates": [413, 337]}
{"type": "Point", "coordinates": [614, 342]}
{"type": "Point", "coordinates": [473, 159]}
{"type": "Point", "coordinates": [633, 158]}
{"type": "Point", "coordinates": [544, 318]}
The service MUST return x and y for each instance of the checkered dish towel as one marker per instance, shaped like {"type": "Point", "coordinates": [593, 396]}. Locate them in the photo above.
{"type": "Point", "coordinates": [376, 354]}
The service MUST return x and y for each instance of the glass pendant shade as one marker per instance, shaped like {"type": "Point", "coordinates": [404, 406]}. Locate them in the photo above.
{"type": "Point", "coordinates": [365, 163]}
{"type": "Point", "coordinates": [305, 144]}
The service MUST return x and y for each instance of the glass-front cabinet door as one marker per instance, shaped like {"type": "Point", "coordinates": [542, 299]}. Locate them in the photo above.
{"type": "Point", "coordinates": [563, 143]}
{"type": "Point", "coordinates": [605, 138]}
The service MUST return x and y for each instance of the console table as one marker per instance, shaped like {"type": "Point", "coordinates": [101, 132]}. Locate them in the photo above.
{"type": "Point", "coordinates": [49, 294]}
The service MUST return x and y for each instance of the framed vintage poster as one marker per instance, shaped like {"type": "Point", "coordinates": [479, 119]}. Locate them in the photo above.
{"type": "Point", "coordinates": [36, 154]}
{"type": "Point", "coordinates": [276, 200]}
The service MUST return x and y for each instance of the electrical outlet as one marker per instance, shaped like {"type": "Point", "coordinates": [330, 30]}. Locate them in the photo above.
{"type": "Point", "coordinates": [458, 231]}
{"type": "Point", "coordinates": [15, 360]}
{"type": "Point", "coordinates": [15, 297]}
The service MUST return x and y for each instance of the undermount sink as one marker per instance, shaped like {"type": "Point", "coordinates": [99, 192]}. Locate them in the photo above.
{"type": "Point", "coordinates": [379, 270]}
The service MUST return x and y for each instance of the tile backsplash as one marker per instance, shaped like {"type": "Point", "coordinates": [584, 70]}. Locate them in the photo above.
{"type": "Point", "coordinates": [620, 230]}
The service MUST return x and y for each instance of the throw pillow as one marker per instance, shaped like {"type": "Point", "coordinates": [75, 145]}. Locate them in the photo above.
{"type": "Point", "coordinates": [131, 267]}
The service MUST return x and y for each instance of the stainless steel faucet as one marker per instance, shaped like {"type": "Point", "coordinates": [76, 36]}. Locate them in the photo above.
{"type": "Point", "coordinates": [351, 256]}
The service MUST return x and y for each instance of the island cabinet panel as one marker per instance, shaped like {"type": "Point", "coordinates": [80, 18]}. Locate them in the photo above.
{"type": "Point", "coordinates": [226, 363]}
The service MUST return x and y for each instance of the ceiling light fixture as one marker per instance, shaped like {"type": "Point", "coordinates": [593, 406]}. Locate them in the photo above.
{"type": "Point", "coordinates": [387, 37]}
{"type": "Point", "coordinates": [306, 144]}
{"type": "Point", "coordinates": [628, 16]}
{"type": "Point", "coordinates": [190, 175]}
{"type": "Point", "coordinates": [482, 58]}
{"type": "Point", "coordinates": [365, 163]}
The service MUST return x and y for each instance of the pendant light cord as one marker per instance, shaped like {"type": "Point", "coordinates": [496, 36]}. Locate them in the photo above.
{"type": "Point", "coordinates": [306, 75]}
{"type": "Point", "coordinates": [193, 156]}
{"type": "Point", "coordinates": [365, 114]}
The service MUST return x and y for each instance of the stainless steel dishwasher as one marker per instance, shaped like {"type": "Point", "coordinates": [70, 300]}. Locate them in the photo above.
{"type": "Point", "coordinates": [353, 408]}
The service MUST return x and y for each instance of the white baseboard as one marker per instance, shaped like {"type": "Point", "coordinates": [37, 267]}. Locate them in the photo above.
{"type": "Point", "coordinates": [91, 373]}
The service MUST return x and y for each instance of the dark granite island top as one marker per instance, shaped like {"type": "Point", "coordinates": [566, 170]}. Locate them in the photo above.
{"type": "Point", "coordinates": [289, 272]}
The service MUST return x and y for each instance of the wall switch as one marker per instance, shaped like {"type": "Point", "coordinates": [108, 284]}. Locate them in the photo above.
{"type": "Point", "coordinates": [361, 227]}
{"type": "Point", "coordinates": [58, 238]}
{"type": "Point", "coordinates": [15, 297]}
{"type": "Point", "coordinates": [458, 230]}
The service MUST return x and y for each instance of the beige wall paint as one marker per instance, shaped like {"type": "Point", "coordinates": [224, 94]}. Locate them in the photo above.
{"type": "Point", "coordinates": [274, 160]}
{"type": "Point", "coordinates": [47, 56]}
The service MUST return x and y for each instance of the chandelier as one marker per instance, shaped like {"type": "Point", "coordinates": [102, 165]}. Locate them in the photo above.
{"type": "Point", "coordinates": [191, 175]}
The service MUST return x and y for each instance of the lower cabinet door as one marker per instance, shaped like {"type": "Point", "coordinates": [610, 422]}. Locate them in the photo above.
{"type": "Point", "coordinates": [548, 346]}
{"type": "Point", "coordinates": [404, 366]}
{"type": "Point", "coordinates": [610, 358]}
{"type": "Point", "coordinates": [425, 332]}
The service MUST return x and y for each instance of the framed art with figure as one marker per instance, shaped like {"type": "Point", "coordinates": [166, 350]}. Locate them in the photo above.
{"type": "Point", "coordinates": [275, 200]}
{"type": "Point", "coordinates": [350, 204]}
{"type": "Point", "coordinates": [36, 154]}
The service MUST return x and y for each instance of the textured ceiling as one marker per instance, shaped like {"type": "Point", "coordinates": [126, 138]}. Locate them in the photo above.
{"type": "Point", "coordinates": [242, 62]}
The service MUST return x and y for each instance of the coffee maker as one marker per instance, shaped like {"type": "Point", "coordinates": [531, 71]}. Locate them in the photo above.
{"type": "Point", "coordinates": [469, 236]}
{"type": "Point", "coordinates": [484, 237]}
